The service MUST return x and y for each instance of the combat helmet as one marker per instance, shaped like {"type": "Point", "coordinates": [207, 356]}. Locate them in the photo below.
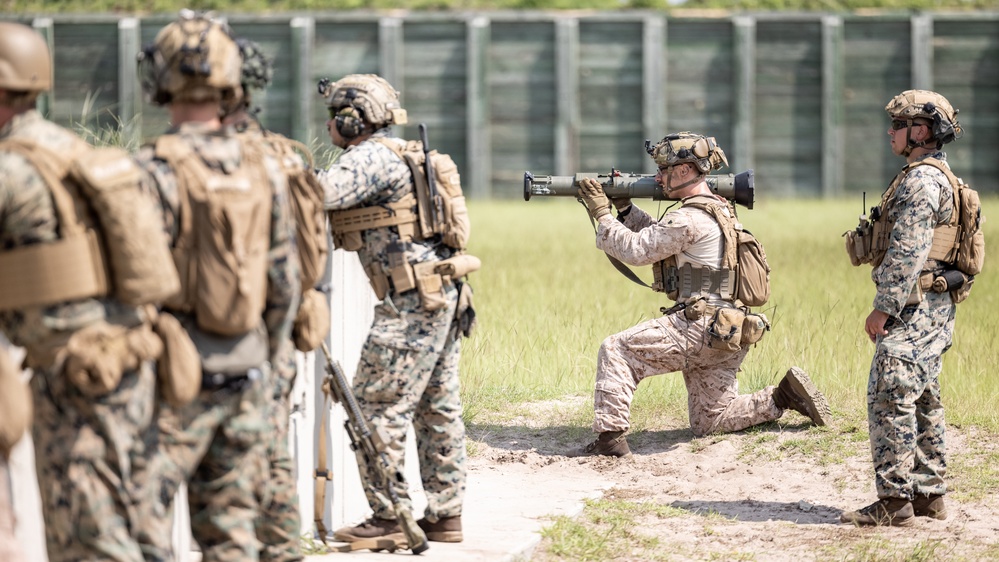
{"type": "Point", "coordinates": [193, 59]}
{"type": "Point", "coordinates": [366, 97]}
{"type": "Point", "coordinates": [925, 104]}
{"type": "Point", "coordinates": [256, 70]}
{"type": "Point", "coordinates": [25, 65]}
{"type": "Point", "coordinates": [679, 148]}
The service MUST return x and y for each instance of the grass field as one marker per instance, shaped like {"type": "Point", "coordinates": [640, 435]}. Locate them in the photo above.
{"type": "Point", "coordinates": [546, 298]}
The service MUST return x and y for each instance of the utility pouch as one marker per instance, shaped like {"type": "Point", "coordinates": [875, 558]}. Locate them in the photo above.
{"type": "Point", "coordinates": [915, 296]}
{"type": "Point", "coordinates": [96, 357]}
{"type": "Point", "coordinates": [725, 331]}
{"type": "Point", "coordinates": [378, 280]}
{"type": "Point", "coordinates": [858, 245]}
{"type": "Point", "coordinates": [229, 356]}
{"type": "Point", "coordinates": [754, 327]}
{"type": "Point", "coordinates": [312, 322]}
{"type": "Point", "coordinates": [431, 286]}
{"type": "Point", "coordinates": [695, 309]}
{"type": "Point", "coordinates": [958, 295]}
{"type": "Point", "coordinates": [178, 371]}
{"type": "Point", "coordinates": [399, 268]}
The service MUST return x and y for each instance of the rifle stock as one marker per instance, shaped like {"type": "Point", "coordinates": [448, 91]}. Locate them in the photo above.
{"type": "Point", "coordinates": [739, 188]}
{"type": "Point", "coordinates": [372, 449]}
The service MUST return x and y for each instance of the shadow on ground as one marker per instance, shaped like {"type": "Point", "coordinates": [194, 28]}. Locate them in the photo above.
{"type": "Point", "coordinates": [761, 511]}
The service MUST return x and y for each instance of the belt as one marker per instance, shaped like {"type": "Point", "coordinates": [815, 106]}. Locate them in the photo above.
{"type": "Point", "coordinates": [224, 381]}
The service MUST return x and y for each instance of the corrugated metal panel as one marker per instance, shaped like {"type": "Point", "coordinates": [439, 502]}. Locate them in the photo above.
{"type": "Point", "coordinates": [521, 84]}
{"type": "Point", "coordinates": [434, 75]}
{"type": "Point", "coordinates": [966, 71]}
{"type": "Point", "coordinates": [877, 65]}
{"type": "Point", "coordinates": [86, 73]}
{"type": "Point", "coordinates": [698, 91]}
{"type": "Point", "coordinates": [610, 96]}
{"type": "Point", "coordinates": [788, 97]}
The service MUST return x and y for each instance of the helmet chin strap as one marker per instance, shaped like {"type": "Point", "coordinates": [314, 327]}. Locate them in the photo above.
{"type": "Point", "coordinates": [670, 188]}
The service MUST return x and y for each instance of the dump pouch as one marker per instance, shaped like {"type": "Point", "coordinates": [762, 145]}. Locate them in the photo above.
{"type": "Point", "coordinates": [458, 266]}
{"type": "Point", "coordinates": [312, 323]}
{"type": "Point", "coordinates": [430, 285]}
{"type": "Point", "coordinates": [178, 371]}
{"type": "Point", "coordinates": [96, 357]}
{"type": "Point", "coordinates": [725, 330]}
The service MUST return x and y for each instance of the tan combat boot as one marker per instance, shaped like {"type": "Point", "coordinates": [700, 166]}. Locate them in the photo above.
{"type": "Point", "coordinates": [373, 528]}
{"type": "Point", "coordinates": [446, 529]}
{"type": "Point", "coordinates": [886, 512]}
{"type": "Point", "coordinates": [797, 392]}
{"type": "Point", "coordinates": [608, 443]}
{"type": "Point", "coordinates": [929, 505]}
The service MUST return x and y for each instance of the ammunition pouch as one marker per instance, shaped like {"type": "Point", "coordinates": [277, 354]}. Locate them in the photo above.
{"type": "Point", "coordinates": [96, 357]}
{"type": "Point", "coordinates": [178, 371]}
{"type": "Point", "coordinates": [731, 328]}
{"type": "Point", "coordinates": [725, 330]}
{"type": "Point", "coordinates": [431, 286]}
{"type": "Point", "coordinates": [312, 323]}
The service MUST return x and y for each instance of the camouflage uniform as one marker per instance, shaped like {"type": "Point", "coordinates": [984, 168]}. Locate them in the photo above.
{"type": "Point", "coordinates": [86, 447]}
{"type": "Point", "coordinates": [217, 442]}
{"type": "Point", "coordinates": [672, 343]}
{"type": "Point", "coordinates": [409, 364]}
{"type": "Point", "coordinates": [905, 414]}
{"type": "Point", "coordinates": [279, 522]}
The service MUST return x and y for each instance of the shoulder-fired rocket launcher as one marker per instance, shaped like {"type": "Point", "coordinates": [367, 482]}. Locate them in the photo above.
{"type": "Point", "coordinates": [738, 188]}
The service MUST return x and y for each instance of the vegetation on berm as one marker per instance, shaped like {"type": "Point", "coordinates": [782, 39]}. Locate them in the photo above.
{"type": "Point", "coordinates": [678, 7]}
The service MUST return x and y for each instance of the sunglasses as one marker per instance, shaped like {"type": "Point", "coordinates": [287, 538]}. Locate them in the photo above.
{"type": "Point", "coordinates": [897, 124]}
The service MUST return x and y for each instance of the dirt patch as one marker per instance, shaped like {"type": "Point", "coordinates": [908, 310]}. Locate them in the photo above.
{"type": "Point", "coordinates": [774, 493]}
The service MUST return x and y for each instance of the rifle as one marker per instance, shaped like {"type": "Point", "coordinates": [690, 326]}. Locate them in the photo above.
{"type": "Point", "coordinates": [429, 170]}
{"type": "Point", "coordinates": [739, 188]}
{"type": "Point", "coordinates": [373, 450]}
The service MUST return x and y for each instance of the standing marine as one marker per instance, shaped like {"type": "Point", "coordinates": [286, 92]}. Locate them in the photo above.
{"type": "Point", "coordinates": [408, 372]}
{"type": "Point", "coordinates": [83, 261]}
{"type": "Point", "coordinates": [693, 251]}
{"type": "Point", "coordinates": [279, 525]}
{"type": "Point", "coordinates": [909, 240]}
{"type": "Point", "coordinates": [226, 213]}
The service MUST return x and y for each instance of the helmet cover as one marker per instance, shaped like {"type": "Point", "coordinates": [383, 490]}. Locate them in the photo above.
{"type": "Point", "coordinates": [376, 99]}
{"type": "Point", "coordinates": [679, 148]}
{"type": "Point", "coordinates": [193, 59]}
{"type": "Point", "coordinates": [25, 65]}
{"type": "Point", "coordinates": [925, 104]}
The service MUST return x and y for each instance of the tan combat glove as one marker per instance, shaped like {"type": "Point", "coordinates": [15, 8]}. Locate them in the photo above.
{"type": "Point", "coordinates": [15, 405]}
{"type": "Point", "coordinates": [593, 195]}
{"type": "Point", "coordinates": [621, 203]}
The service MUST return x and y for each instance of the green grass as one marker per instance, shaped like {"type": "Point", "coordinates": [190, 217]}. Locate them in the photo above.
{"type": "Point", "coordinates": [546, 298]}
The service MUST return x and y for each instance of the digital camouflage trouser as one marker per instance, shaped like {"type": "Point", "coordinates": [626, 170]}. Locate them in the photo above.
{"type": "Point", "coordinates": [905, 414]}
{"type": "Point", "coordinates": [85, 449]}
{"type": "Point", "coordinates": [279, 522]}
{"type": "Point", "coordinates": [216, 445]}
{"type": "Point", "coordinates": [669, 344]}
{"type": "Point", "coordinates": [409, 373]}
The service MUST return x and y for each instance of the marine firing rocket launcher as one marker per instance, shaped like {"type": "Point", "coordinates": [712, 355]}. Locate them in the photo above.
{"type": "Point", "coordinates": [738, 188]}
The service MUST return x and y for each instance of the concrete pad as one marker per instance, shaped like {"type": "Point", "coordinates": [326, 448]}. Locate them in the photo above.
{"type": "Point", "coordinates": [505, 508]}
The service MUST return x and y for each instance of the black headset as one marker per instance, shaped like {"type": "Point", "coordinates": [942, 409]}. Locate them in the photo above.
{"type": "Point", "coordinates": [349, 120]}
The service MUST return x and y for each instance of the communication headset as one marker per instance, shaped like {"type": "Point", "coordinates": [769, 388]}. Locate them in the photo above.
{"type": "Point", "coordinates": [349, 122]}
{"type": "Point", "coordinates": [349, 119]}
